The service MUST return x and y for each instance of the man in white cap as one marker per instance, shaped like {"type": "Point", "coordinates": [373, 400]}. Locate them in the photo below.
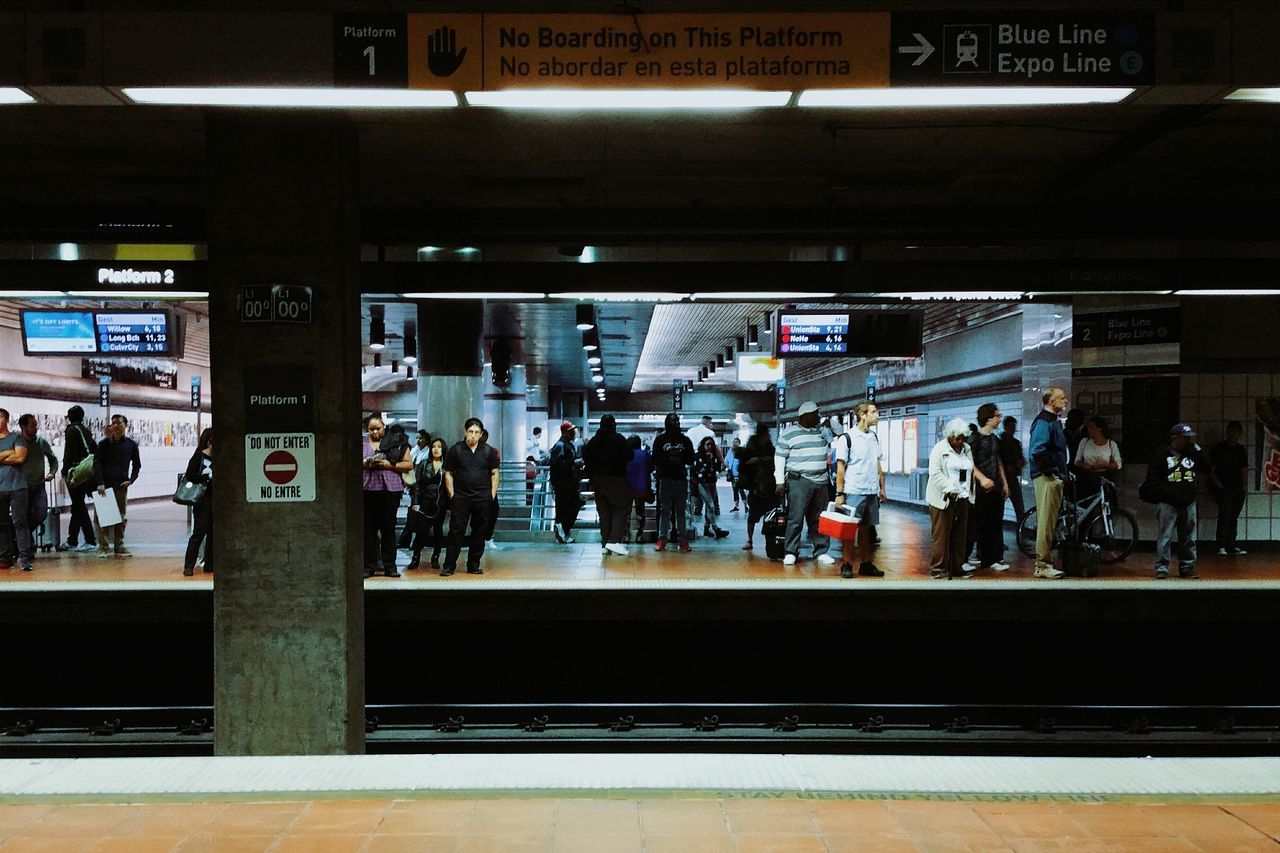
{"type": "Point", "coordinates": [800, 471]}
{"type": "Point", "coordinates": [1171, 486]}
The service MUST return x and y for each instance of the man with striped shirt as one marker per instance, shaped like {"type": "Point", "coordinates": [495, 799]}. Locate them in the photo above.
{"type": "Point", "coordinates": [800, 470]}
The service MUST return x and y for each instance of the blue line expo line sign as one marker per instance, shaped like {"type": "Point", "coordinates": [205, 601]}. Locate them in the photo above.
{"type": "Point", "coordinates": [767, 50]}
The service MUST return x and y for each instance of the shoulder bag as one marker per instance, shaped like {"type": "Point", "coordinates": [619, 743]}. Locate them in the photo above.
{"type": "Point", "coordinates": [83, 471]}
{"type": "Point", "coordinates": [189, 493]}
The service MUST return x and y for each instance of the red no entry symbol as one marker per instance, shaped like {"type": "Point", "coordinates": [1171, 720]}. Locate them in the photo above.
{"type": "Point", "coordinates": [280, 467]}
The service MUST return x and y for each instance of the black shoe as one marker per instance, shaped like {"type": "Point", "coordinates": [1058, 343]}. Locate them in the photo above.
{"type": "Point", "coordinates": [474, 570]}
{"type": "Point", "coordinates": [846, 571]}
{"type": "Point", "coordinates": [869, 570]}
{"type": "Point", "coordinates": [1189, 575]}
{"type": "Point", "coordinates": [368, 572]}
{"type": "Point", "coordinates": [435, 561]}
{"type": "Point", "coordinates": [413, 564]}
{"type": "Point", "coordinates": [721, 534]}
{"type": "Point", "coordinates": [392, 574]}
{"type": "Point", "coordinates": [188, 571]}
{"type": "Point", "coordinates": [208, 569]}
{"type": "Point", "coordinates": [447, 570]}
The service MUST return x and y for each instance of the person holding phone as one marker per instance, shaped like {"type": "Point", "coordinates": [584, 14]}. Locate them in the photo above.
{"type": "Point", "coordinates": [950, 495]}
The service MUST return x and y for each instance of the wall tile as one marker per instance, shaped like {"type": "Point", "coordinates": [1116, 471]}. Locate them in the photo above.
{"type": "Point", "coordinates": [1275, 529]}
{"type": "Point", "coordinates": [1256, 529]}
{"type": "Point", "coordinates": [1190, 385]}
{"type": "Point", "coordinates": [1210, 409]}
{"type": "Point", "coordinates": [1189, 408]}
{"type": "Point", "coordinates": [1260, 384]}
{"type": "Point", "coordinates": [1258, 506]}
{"type": "Point", "coordinates": [1235, 385]}
{"type": "Point", "coordinates": [1235, 409]}
{"type": "Point", "coordinates": [1210, 384]}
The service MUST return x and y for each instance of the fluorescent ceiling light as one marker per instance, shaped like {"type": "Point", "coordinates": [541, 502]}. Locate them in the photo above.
{"type": "Point", "coordinates": [245, 96]}
{"type": "Point", "coordinates": [980, 295]}
{"type": "Point", "coordinates": [769, 295]}
{"type": "Point", "coordinates": [623, 297]}
{"type": "Point", "coordinates": [628, 99]}
{"type": "Point", "coordinates": [141, 294]}
{"type": "Point", "coordinates": [14, 95]}
{"type": "Point", "coordinates": [597, 378]}
{"type": "Point", "coordinates": [377, 346]}
{"type": "Point", "coordinates": [963, 96]}
{"type": "Point", "coordinates": [1052, 294]}
{"type": "Point", "coordinates": [1236, 292]}
{"type": "Point", "coordinates": [32, 294]}
{"type": "Point", "coordinates": [475, 294]}
{"type": "Point", "coordinates": [410, 359]}
{"type": "Point", "coordinates": [594, 360]}
{"type": "Point", "coordinates": [1270, 95]}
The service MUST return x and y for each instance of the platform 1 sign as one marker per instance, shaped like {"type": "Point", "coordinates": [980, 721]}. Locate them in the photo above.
{"type": "Point", "coordinates": [280, 467]}
{"type": "Point", "coordinates": [1020, 48]}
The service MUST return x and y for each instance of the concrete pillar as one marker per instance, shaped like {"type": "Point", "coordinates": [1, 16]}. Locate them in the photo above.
{"type": "Point", "coordinates": [1046, 357]}
{"type": "Point", "coordinates": [288, 595]}
{"type": "Point", "coordinates": [450, 362]}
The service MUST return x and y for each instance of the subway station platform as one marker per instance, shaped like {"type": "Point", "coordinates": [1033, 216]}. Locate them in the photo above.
{"type": "Point", "coordinates": [157, 537]}
{"type": "Point", "coordinates": [686, 803]}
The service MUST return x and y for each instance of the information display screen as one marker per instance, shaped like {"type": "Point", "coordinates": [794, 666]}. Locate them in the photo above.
{"type": "Point", "coordinates": [837, 334]}
{"type": "Point", "coordinates": [58, 333]}
{"type": "Point", "coordinates": [133, 333]}
{"type": "Point", "coordinates": [109, 333]}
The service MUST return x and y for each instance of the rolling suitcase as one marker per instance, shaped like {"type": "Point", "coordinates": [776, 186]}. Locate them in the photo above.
{"type": "Point", "coordinates": [774, 529]}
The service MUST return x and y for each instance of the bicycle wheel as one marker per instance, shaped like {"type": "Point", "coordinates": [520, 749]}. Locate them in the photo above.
{"type": "Point", "coordinates": [1027, 533]}
{"type": "Point", "coordinates": [1122, 539]}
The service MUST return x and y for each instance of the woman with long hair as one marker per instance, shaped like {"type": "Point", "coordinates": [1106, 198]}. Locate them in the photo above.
{"type": "Point", "coordinates": [430, 504]}
{"type": "Point", "coordinates": [200, 470]}
{"type": "Point", "coordinates": [706, 473]}
{"type": "Point", "coordinates": [382, 487]}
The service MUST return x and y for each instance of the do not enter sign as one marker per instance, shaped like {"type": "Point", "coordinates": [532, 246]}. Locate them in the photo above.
{"type": "Point", "coordinates": [280, 467]}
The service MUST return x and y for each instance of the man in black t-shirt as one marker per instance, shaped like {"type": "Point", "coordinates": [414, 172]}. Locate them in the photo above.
{"type": "Point", "coordinates": [1231, 466]}
{"type": "Point", "coordinates": [672, 456]}
{"type": "Point", "coordinates": [988, 471]}
{"type": "Point", "coordinates": [1171, 486]}
{"type": "Point", "coordinates": [471, 481]}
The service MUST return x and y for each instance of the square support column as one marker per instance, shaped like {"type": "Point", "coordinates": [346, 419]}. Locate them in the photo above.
{"type": "Point", "coordinates": [288, 591]}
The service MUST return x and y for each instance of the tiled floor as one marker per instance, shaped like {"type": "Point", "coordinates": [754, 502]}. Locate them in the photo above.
{"type": "Point", "coordinates": [157, 536]}
{"type": "Point", "coordinates": [684, 824]}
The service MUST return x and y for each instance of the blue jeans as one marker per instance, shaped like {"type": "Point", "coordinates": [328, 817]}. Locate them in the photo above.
{"type": "Point", "coordinates": [1175, 526]}
{"type": "Point", "coordinates": [672, 497]}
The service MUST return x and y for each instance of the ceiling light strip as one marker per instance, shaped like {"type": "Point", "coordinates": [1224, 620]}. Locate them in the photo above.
{"type": "Point", "coordinates": [515, 295]}
{"type": "Point", "coordinates": [963, 96]}
{"type": "Point", "coordinates": [300, 97]}
{"type": "Point", "coordinates": [14, 95]}
{"type": "Point", "coordinates": [140, 294]}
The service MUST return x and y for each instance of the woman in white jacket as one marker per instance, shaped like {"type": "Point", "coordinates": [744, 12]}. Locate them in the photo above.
{"type": "Point", "coordinates": [950, 495]}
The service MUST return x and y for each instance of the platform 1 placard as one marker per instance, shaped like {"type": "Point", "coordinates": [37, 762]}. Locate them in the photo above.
{"type": "Point", "coordinates": [280, 467]}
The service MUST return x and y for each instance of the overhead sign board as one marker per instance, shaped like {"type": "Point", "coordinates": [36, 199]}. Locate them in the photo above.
{"type": "Point", "coordinates": [1127, 328]}
{"type": "Point", "coordinates": [280, 467]}
{"type": "Point", "coordinates": [275, 303]}
{"type": "Point", "coordinates": [1021, 48]}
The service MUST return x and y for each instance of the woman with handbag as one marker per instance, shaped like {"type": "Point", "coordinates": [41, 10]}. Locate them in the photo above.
{"type": "Point", "coordinates": [77, 471]}
{"type": "Point", "coordinates": [430, 504]}
{"type": "Point", "coordinates": [200, 473]}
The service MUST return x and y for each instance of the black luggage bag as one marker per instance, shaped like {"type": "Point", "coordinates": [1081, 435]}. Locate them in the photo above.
{"type": "Point", "coordinates": [1080, 559]}
{"type": "Point", "coordinates": [774, 529]}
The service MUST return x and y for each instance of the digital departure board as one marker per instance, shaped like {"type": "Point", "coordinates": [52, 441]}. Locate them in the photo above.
{"type": "Point", "coordinates": [841, 334]}
{"type": "Point", "coordinates": [133, 333]}
{"type": "Point", "coordinates": [108, 333]}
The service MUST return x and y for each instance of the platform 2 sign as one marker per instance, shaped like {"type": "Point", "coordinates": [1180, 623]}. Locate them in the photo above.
{"type": "Point", "coordinates": [280, 467]}
{"type": "Point", "coordinates": [1018, 48]}
{"type": "Point", "coordinates": [1127, 328]}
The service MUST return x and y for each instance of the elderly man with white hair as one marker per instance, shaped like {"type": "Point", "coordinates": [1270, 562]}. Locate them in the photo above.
{"type": "Point", "coordinates": [950, 497]}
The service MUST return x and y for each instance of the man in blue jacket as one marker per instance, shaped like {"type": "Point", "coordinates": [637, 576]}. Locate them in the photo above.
{"type": "Point", "coordinates": [1048, 454]}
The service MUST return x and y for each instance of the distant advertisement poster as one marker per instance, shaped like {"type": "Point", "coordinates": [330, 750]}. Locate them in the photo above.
{"type": "Point", "coordinates": [59, 332]}
{"type": "Point", "coordinates": [152, 372]}
{"type": "Point", "coordinates": [760, 368]}
{"type": "Point", "coordinates": [898, 372]}
{"type": "Point", "coordinates": [1268, 455]}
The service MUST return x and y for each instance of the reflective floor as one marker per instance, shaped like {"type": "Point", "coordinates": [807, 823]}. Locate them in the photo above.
{"type": "Point", "coordinates": [157, 537]}
{"type": "Point", "coordinates": [680, 824]}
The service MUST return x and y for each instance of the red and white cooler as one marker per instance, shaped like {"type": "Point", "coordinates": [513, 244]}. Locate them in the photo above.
{"type": "Point", "coordinates": [837, 522]}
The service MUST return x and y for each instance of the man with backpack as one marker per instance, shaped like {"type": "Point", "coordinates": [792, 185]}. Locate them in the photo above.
{"type": "Point", "coordinates": [77, 446]}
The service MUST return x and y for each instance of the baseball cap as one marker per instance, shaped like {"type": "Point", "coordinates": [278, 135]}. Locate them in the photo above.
{"type": "Point", "coordinates": [1183, 430]}
{"type": "Point", "coordinates": [567, 426]}
{"type": "Point", "coordinates": [806, 407]}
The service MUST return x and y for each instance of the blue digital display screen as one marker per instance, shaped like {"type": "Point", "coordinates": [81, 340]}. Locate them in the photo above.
{"type": "Point", "coordinates": [108, 333]}
{"type": "Point", "coordinates": [59, 333]}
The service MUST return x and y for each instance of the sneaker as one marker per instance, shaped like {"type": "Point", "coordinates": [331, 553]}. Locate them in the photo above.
{"type": "Point", "coordinates": [474, 570]}
{"type": "Point", "coordinates": [684, 546]}
{"type": "Point", "coordinates": [660, 545]}
{"type": "Point", "coordinates": [748, 547]}
{"type": "Point", "coordinates": [1189, 574]}
{"type": "Point", "coordinates": [392, 574]}
{"type": "Point", "coordinates": [1238, 552]}
{"type": "Point", "coordinates": [87, 546]}
{"type": "Point", "coordinates": [1048, 572]}
{"type": "Point", "coordinates": [188, 571]}
{"type": "Point", "coordinates": [569, 540]}
{"type": "Point", "coordinates": [447, 570]}
{"type": "Point", "coordinates": [1162, 574]}
{"type": "Point", "coordinates": [826, 560]}
{"type": "Point", "coordinates": [27, 567]}
{"type": "Point", "coordinates": [1223, 552]}
{"type": "Point", "coordinates": [68, 546]}
{"type": "Point", "coordinates": [102, 553]}
{"type": "Point", "coordinates": [558, 530]}
{"type": "Point", "coordinates": [846, 570]}
{"type": "Point", "coordinates": [869, 570]}
{"type": "Point", "coordinates": [999, 567]}
{"type": "Point", "coordinates": [789, 560]}
{"type": "Point", "coordinates": [968, 568]}
{"type": "Point", "coordinates": [615, 548]}
{"type": "Point", "coordinates": [123, 552]}
{"type": "Point", "coordinates": [735, 508]}
{"type": "Point", "coordinates": [722, 534]}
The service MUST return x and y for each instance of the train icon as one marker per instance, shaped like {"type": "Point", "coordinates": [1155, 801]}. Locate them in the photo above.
{"type": "Point", "coordinates": [967, 49]}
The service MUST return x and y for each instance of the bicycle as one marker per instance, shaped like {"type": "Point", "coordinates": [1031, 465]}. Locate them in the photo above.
{"type": "Point", "coordinates": [1094, 519]}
